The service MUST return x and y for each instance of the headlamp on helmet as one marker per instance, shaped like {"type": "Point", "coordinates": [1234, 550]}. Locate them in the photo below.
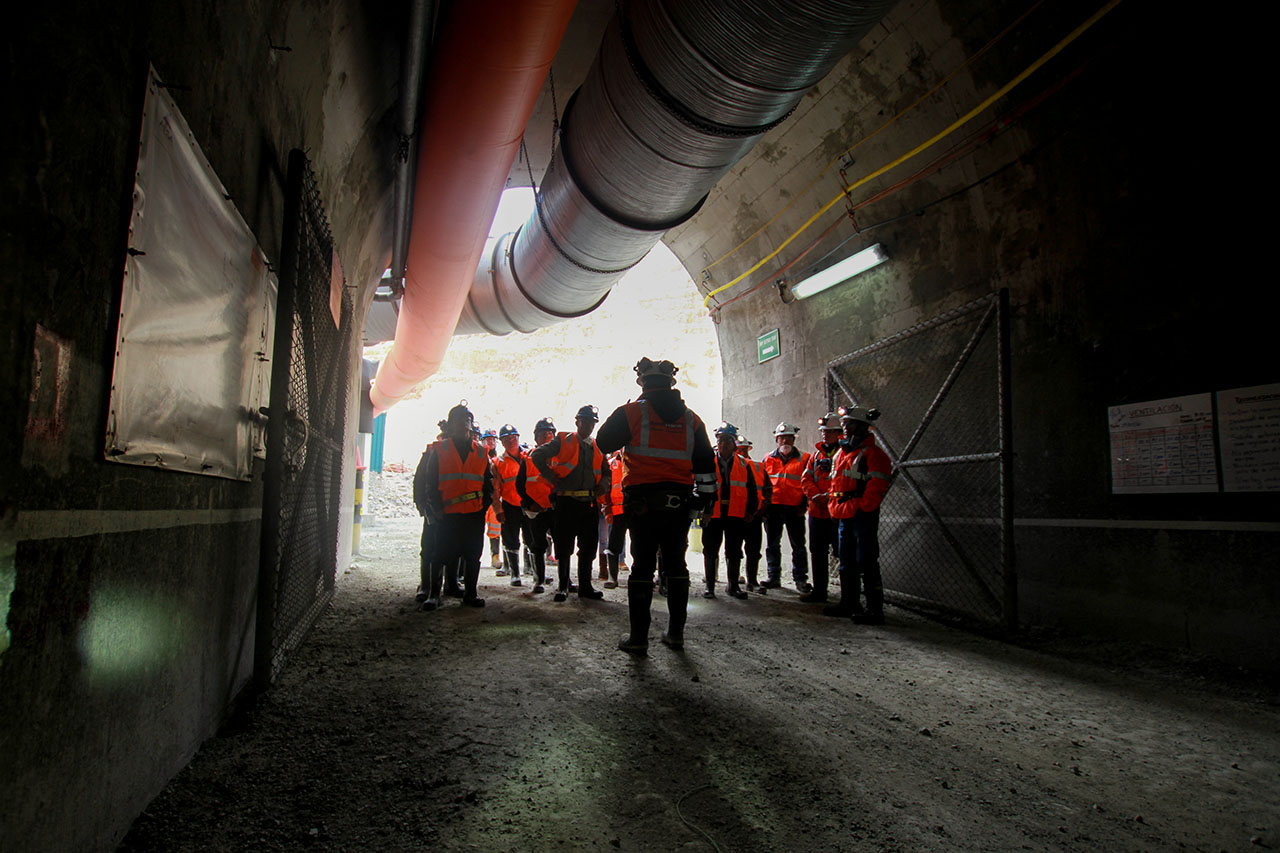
{"type": "Point", "coordinates": [649, 369]}
{"type": "Point", "coordinates": [858, 413]}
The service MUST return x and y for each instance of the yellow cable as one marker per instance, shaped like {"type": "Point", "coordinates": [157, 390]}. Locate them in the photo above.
{"type": "Point", "coordinates": [944, 81]}
{"type": "Point", "coordinates": [956, 125]}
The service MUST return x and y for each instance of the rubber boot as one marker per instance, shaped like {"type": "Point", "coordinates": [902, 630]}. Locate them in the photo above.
{"type": "Point", "coordinates": [639, 600]}
{"type": "Point", "coordinates": [453, 580]}
{"type": "Point", "coordinates": [612, 562]}
{"type": "Point", "coordinates": [585, 590]}
{"type": "Point", "coordinates": [677, 612]}
{"type": "Point", "coordinates": [753, 575]}
{"type": "Point", "coordinates": [848, 603]}
{"type": "Point", "coordinates": [875, 607]}
{"type": "Point", "coordinates": [539, 571]}
{"type": "Point", "coordinates": [471, 581]}
{"type": "Point", "coordinates": [820, 582]}
{"type": "Point", "coordinates": [563, 586]}
{"type": "Point", "coordinates": [424, 581]}
{"type": "Point", "coordinates": [434, 580]}
{"type": "Point", "coordinates": [732, 567]}
{"type": "Point", "coordinates": [513, 563]}
{"type": "Point", "coordinates": [711, 568]}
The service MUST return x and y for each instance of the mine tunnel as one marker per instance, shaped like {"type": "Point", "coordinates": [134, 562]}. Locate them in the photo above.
{"type": "Point", "coordinates": [978, 218]}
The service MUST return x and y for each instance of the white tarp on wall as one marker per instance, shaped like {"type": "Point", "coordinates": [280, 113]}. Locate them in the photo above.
{"type": "Point", "coordinates": [197, 314]}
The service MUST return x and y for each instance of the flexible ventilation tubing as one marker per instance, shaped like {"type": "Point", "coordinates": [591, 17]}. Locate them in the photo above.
{"type": "Point", "coordinates": [678, 94]}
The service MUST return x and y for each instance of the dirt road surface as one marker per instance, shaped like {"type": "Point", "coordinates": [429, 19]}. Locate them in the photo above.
{"type": "Point", "coordinates": [520, 727]}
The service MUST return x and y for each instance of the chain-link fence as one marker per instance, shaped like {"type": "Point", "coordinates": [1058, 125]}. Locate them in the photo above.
{"type": "Point", "coordinates": [946, 522]}
{"type": "Point", "coordinates": [304, 454]}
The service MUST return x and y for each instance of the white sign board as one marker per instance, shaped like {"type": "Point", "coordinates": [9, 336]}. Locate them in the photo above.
{"type": "Point", "coordinates": [1249, 435]}
{"type": "Point", "coordinates": [1163, 446]}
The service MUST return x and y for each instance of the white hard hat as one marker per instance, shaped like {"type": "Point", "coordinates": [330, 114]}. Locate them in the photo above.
{"type": "Point", "coordinates": [859, 413]}
{"type": "Point", "coordinates": [785, 428]}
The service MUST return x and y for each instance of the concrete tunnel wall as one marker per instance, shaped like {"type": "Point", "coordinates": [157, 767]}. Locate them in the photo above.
{"type": "Point", "coordinates": [1115, 299]}
{"type": "Point", "coordinates": [167, 561]}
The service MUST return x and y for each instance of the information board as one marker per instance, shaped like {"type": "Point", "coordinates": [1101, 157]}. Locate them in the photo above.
{"type": "Point", "coordinates": [1163, 446]}
{"type": "Point", "coordinates": [1249, 437]}
{"type": "Point", "coordinates": [767, 346]}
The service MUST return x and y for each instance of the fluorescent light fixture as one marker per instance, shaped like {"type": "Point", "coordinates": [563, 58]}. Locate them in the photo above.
{"type": "Point", "coordinates": [841, 272]}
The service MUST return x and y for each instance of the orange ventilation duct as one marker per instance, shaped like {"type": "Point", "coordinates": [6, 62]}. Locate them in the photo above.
{"type": "Point", "coordinates": [490, 63]}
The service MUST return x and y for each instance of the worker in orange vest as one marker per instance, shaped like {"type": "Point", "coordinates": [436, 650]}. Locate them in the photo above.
{"type": "Point", "coordinates": [824, 531]}
{"type": "Point", "coordinates": [506, 467]}
{"type": "Point", "coordinates": [615, 543]}
{"type": "Point", "coordinates": [754, 535]}
{"type": "Point", "coordinates": [668, 470]}
{"type": "Point", "coordinates": [726, 520]}
{"type": "Point", "coordinates": [786, 466]}
{"type": "Point", "coordinates": [492, 527]}
{"type": "Point", "coordinates": [860, 477]}
{"type": "Point", "coordinates": [535, 504]}
{"type": "Point", "coordinates": [458, 487]}
{"type": "Point", "coordinates": [575, 468]}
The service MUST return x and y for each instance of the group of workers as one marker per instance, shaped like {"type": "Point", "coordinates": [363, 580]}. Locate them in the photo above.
{"type": "Point", "coordinates": [649, 472]}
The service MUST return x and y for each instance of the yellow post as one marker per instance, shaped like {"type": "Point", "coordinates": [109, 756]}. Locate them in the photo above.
{"type": "Point", "coordinates": [355, 527]}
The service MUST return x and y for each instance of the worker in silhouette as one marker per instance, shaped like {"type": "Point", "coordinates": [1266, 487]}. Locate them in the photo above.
{"type": "Point", "coordinates": [725, 521]}
{"type": "Point", "coordinates": [616, 529]}
{"type": "Point", "coordinates": [860, 477]}
{"type": "Point", "coordinates": [576, 471]}
{"type": "Point", "coordinates": [458, 488]}
{"type": "Point", "coordinates": [535, 504]}
{"type": "Point", "coordinates": [668, 471]}
{"type": "Point", "coordinates": [427, 551]}
{"type": "Point", "coordinates": [824, 531]}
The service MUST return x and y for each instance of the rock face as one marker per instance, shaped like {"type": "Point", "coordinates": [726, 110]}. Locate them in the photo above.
{"type": "Point", "coordinates": [389, 494]}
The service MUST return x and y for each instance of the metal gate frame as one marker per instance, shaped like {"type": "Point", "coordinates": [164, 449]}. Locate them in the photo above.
{"type": "Point", "coordinates": [996, 305]}
{"type": "Point", "coordinates": [306, 423]}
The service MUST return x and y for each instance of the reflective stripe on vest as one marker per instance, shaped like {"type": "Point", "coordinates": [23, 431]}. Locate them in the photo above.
{"type": "Point", "coordinates": [668, 462]}
{"type": "Point", "coordinates": [566, 460]}
{"type": "Point", "coordinates": [733, 503]}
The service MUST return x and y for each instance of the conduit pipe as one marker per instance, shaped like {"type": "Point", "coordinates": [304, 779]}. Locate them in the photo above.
{"type": "Point", "coordinates": [488, 68]}
{"type": "Point", "coordinates": [417, 40]}
{"type": "Point", "coordinates": [678, 94]}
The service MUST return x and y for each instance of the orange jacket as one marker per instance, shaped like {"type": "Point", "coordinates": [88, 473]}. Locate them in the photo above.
{"type": "Point", "coordinates": [613, 503]}
{"type": "Point", "coordinates": [462, 482]}
{"type": "Point", "coordinates": [786, 473]}
{"type": "Point", "coordinates": [492, 528]}
{"type": "Point", "coordinates": [859, 479]}
{"type": "Point", "coordinates": [732, 495]}
{"type": "Point", "coordinates": [507, 467]}
{"type": "Point", "coordinates": [816, 479]}
{"type": "Point", "coordinates": [659, 452]}
{"type": "Point", "coordinates": [536, 487]}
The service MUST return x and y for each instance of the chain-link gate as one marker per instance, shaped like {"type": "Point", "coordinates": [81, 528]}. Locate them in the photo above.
{"type": "Point", "coordinates": [305, 427]}
{"type": "Point", "coordinates": [946, 524]}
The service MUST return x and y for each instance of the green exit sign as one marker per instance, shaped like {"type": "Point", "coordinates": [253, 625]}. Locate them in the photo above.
{"type": "Point", "coordinates": [767, 346]}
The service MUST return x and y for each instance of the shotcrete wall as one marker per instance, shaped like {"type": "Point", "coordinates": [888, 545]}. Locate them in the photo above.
{"type": "Point", "coordinates": [129, 592]}
{"type": "Point", "coordinates": [1115, 299]}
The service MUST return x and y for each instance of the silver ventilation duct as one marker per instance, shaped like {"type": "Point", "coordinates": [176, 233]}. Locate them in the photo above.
{"type": "Point", "coordinates": [678, 94]}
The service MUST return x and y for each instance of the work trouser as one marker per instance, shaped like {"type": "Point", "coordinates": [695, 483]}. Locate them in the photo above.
{"type": "Point", "coordinates": [575, 521]}
{"type": "Point", "coordinates": [461, 537]}
{"type": "Point", "coordinates": [824, 543]}
{"type": "Point", "coordinates": [730, 531]}
{"type": "Point", "coordinates": [860, 559]}
{"type": "Point", "coordinates": [778, 517]}
{"type": "Point", "coordinates": [618, 535]}
{"type": "Point", "coordinates": [659, 525]}
{"type": "Point", "coordinates": [426, 554]}
{"type": "Point", "coordinates": [536, 530]}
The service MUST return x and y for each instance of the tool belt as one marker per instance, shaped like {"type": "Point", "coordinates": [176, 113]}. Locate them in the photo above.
{"type": "Point", "coordinates": [583, 493]}
{"type": "Point", "coordinates": [463, 498]}
{"type": "Point", "coordinates": [839, 496]}
{"type": "Point", "coordinates": [633, 504]}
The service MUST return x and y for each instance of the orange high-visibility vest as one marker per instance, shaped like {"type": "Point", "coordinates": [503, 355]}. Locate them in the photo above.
{"type": "Point", "coordinates": [462, 482]}
{"type": "Point", "coordinates": [508, 467]}
{"type": "Point", "coordinates": [658, 452]}
{"type": "Point", "coordinates": [731, 501]}
{"type": "Point", "coordinates": [537, 488]}
{"type": "Point", "coordinates": [785, 475]}
{"type": "Point", "coordinates": [567, 459]}
{"type": "Point", "coordinates": [492, 528]}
